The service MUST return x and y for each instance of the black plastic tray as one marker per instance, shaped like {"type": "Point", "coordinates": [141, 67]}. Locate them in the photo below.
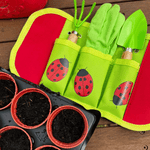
{"type": "Point", "coordinates": [39, 135]}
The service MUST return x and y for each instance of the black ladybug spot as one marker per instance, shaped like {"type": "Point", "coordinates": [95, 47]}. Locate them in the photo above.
{"type": "Point", "coordinates": [54, 79]}
{"type": "Point", "coordinates": [119, 88]}
{"type": "Point", "coordinates": [80, 79]}
{"type": "Point", "coordinates": [64, 74]}
{"type": "Point", "coordinates": [87, 87]}
{"type": "Point", "coordinates": [126, 88]}
{"type": "Point", "coordinates": [90, 81]}
{"type": "Point", "coordinates": [78, 93]}
{"type": "Point", "coordinates": [130, 82]}
{"type": "Point", "coordinates": [120, 94]}
{"type": "Point", "coordinates": [52, 70]}
{"type": "Point", "coordinates": [47, 73]}
{"type": "Point", "coordinates": [52, 63]}
{"type": "Point", "coordinates": [58, 65]}
{"type": "Point", "coordinates": [84, 79]}
{"type": "Point", "coordinates": [88, 92]}
{"type": "Point", "coordinates": [75, 83]}
{"type": "Point", "coordinates": [61, 68]}
{"type": "Point", "coordinates": [79, 87]}
{"type": "Point", "coordinates": [57, 75]}
{"type": "Point", "coordinates": [124, 98]}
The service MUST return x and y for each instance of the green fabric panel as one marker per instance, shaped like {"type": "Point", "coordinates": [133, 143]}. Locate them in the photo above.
{"type": "Point", "coordinates": [123, 70]}
{"type": "Point", "coordinates": [96, 64]}
{"type": "Point", "coordinates": [62, 49]}
{"type": "Point", "coordinates": [69, 26]}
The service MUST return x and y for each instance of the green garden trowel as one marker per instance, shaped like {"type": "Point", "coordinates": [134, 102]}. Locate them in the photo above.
{"type": "Point", "coordinates": [133, 33]}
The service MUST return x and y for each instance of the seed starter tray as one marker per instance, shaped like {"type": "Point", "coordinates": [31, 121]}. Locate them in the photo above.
{"type": "Point", "coordinates": [39, 135]}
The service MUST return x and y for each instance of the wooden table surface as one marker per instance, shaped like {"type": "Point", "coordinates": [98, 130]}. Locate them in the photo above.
{"type": "Point", "coordinates": [107, 136]}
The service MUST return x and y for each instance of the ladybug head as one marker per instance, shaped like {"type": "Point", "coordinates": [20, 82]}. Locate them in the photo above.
{"type": "Point", "coordinates": [82, 72]}
{"type": "Point", "coordinates": [64, 62]}
{"type": "Point", "coordinates": [117, 100]}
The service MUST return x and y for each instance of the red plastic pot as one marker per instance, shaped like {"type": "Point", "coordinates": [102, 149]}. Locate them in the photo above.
{"type": "Point", "coordinates": [62, 144]}
{"type": "Point", "coordinates": [44, 146]}
{"type": "Point", "coordinates": [14, 106]}
{"type": "Point", "coordinates": [15, 127]}
{"type": "Point", "coordinates": [5, 76]}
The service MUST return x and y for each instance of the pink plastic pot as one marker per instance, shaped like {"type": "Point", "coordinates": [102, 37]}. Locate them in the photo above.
{"type": "Point", "coordinates": [5, 76]}
{"type": "Point", "coordinates": [44, 146]}
{"type": "Point", "coordinates": [62, 144]}
{"type": "Point", "coordinates": [15, 127]}
{"type": "Point", "coordinates": [14, 106]}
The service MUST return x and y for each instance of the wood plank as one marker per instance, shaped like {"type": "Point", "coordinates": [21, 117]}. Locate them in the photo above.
{"type": "Point", "coordinates": [10, 29]}
{"type": "Point", "coordinates": [118, 138]}
{"type": "Point", "coordinates": [5, 49]}
{"type": "Point", "coordinates": [104, 123]}
{"type": "Point", "coordinates": [70, 4]}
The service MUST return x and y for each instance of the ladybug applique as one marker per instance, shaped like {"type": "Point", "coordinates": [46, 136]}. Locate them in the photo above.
{"type": "Point", "coordinates": [122, 93]}
{"type": "Point", "coordinates": [83, 83]}
{"type": "Point", "coordinates": [58, 69]}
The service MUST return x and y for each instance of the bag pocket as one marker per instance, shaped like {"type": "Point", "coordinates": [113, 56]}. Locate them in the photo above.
{"type": "Point", "coordinates": [60, 65]}
{"type": "Point", "coordinates": [88, 77]}
{"type": "Point", "coordinates": [119, 87]}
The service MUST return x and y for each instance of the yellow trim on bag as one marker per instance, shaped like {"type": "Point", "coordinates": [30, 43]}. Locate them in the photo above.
{"type": "Point", "coordinates": [96, 53]}
{"type": "Point", "coordinates": [27, 27]}
{"type": "Point", "coordinates": [124, 124]}
{"type": "Point", "coordinates": [148, 36]}
{"type": "Point", "coordinates": [68, 43]}
{"type": "Point", "coordinates": [127, 62]}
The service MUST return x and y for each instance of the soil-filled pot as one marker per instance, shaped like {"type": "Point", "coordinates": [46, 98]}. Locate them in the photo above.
{"type": "Point", "coordinates": [67, 127]}
{"type": "Point", "coordinates": [47, 147]}
{"type": "Point", "coordinates": [31, 108]}
{"type": "Point", "coordinates": [12, 137]}
{"type": "Point", "coordinates": [8, 89]}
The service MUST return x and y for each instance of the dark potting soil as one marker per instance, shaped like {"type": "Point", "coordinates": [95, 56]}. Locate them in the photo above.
{"type": "Point", "coordinates": [7, 92]}
{"type": "Point", "coordinates": [32, 108]}
{"type": "Point", "coordinates": [49, 148]}
{"type": "Point", "coordinates": [14, 139]}
{"type": "Point", "coordinates": [68, 126]}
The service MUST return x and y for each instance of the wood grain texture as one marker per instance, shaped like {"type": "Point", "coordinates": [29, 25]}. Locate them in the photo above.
{"type": "Point", "coordinates": [118, 138]}
{"type": "Point", "coordinates": [69, 3]}
{"type": "Point", "coordinates": [104, 121]}
{"type": "Point", "coordinates": [10, 29]}
{"type": "Point", "coordinates": [5, 49]}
